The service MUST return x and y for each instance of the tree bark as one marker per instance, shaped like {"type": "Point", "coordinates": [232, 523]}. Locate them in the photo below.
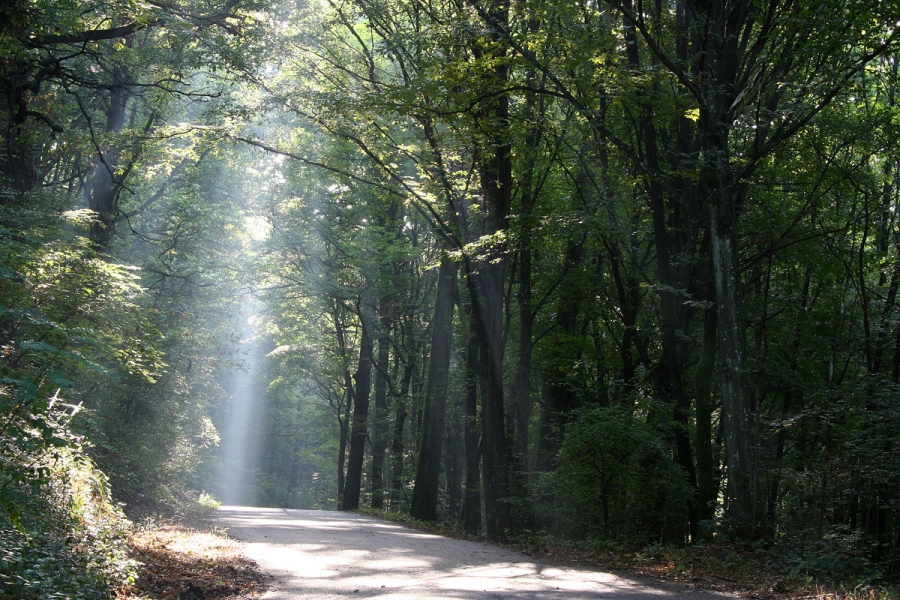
{"type": "Point", "coordinates": [428, 466]}
{"type": "Point", "coordinates": [720, 65]}
{"type": "Point", "coordinates": [707, 492]}
{"type": "Point", "coordinates": [471, 511]}
{"type": "Point", "coordinates": [397, 445]}
{"type": "Point", "coordinates": [738, 407]}
{"type": "Point", "coordinates": [105, 184]}
{"type": "Point", "coordinates": [455, 457]}
{"type": "Point", "coordinates": [486, 273]}
{"type": "Point", "coordinates": [534, 113]}
{"type": "Point", "coordinates": [344, 424]}
{"type": "Point", "coordinates": [379, 422]}
{"type": "Point", "coordinates": [359, 425]}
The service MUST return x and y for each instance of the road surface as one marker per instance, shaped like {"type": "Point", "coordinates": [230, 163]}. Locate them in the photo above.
{"type": "Point", "coordinates": [326, 554]}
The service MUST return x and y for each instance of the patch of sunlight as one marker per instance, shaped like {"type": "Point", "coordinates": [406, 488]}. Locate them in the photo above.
{"type": "Point", "coordinates": [256, 227]}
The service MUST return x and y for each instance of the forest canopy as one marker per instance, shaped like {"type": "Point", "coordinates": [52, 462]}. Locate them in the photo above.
{"type": "Point", "coordinates": [611, 272]}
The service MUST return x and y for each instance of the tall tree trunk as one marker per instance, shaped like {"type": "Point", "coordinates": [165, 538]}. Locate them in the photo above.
{"type": "Point", "coordinates": [673, 321]}
{"type": "Point", "coordinates": [379, 422]}
{"type": "Point", "coordinates": [18, 87]}
{"type": "Point", "coordinates": [486, 274]}
{"type": "Point", "coordinates": [534, 114]}
{"type": "Point", "coordinates": [428, 467]}
{"type": "Point", "coordinates": [471, 511]}
{"type": "Point", "coordinates": [359, 426]}
{"type": "Point", "coordinates": [707, 492]}
{"type": "Point", "coordinates": [738, 407]}
{"type": "Point", "coordinates": [455, 457]}
{"type": "Point", "coordinates": [722, 192]}
{"type": "Point", "coordinates": [397, 445]}
{"type": "Point", "coordinates": [522, 402]}
{"type": "Point", "coordinates": [344, 424]}
{"type": "Point", "coordinates": [105, 184]}
{"type": "Point", "coordinates": [17, 169]}
{"type": "Point", "coordinates": [486, 286]}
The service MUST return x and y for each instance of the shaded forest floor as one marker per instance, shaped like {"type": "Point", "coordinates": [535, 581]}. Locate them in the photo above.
{"type": "Point", "coordinates": [193, 562]}
{"type": "Point", "coordinates": [718, 567]}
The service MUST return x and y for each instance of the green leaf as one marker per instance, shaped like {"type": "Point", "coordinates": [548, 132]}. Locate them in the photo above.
{"type": "Point", "coordinates": [57, 377]}
{"type": "Point", "coordinates": [39, 347]}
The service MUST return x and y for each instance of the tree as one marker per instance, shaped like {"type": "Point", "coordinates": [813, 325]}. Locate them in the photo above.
{"type": "Point", "coordinates": [425, 493]}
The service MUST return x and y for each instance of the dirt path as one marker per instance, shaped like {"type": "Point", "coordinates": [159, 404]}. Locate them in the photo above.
{"type": "Point", "coordinates": [325, 554]}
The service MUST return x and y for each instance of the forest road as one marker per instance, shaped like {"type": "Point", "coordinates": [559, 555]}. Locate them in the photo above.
{"type": "Point", "coordinates": [326, 554]}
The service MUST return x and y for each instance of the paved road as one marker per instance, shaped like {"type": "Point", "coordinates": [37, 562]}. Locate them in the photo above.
{"type": "Point", "coordinates": [325, 554]}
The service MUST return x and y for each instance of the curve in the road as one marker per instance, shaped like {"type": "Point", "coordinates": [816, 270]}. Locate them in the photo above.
{"type": "Point", "coordinates": [325, 554]}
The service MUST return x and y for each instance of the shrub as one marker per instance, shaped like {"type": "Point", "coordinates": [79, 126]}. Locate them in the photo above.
{"type": "Point", "coordinates": [619, 478]}
{"type": "Point", "coordinates": [60, 534]}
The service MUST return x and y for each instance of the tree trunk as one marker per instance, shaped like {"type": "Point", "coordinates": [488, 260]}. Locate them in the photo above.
{"type": "Point", "coordinates": [669, 230]}
{"type": "Point", "coordinates": [721, 190]}
{"type": "Point", "coordinates": [486, 287]}
{"type": "Point", "coordinates": [359, 426]}
{"type": "Point", "coordinates": [344, 424]}
{"type": "Point", "coordinates": [104, 186]}
{"type": "Point", "coordinates": [18, 87]}
{"type": "Point", "coordinates": [428, 467]}
{"type": "Point", "coordinates": [534, 113]}
{"type": "Point", "coordinates": [397, 446]}
{"type": "Point", "coordinates": [739, 411]}
{"type": "Point", "coordinates": [471, 511]}
{"type": "Point", "coordinates": [455, 461]}
{"type": "Point", "coordinates": [707, 492]}
{"type": "Point", "coordinates": [379, 422]}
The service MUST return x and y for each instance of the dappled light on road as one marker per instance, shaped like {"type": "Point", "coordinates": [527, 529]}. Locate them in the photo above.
{"type": "Point", "coordinates": [324, 554]}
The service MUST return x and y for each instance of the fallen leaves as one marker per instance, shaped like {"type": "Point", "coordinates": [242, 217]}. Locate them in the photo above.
{"type": "Point", "coordinates": [181, 563]}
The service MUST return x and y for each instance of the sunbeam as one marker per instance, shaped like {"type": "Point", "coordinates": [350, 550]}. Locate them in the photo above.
{"type": "Point", "coordinates": [242, 436]}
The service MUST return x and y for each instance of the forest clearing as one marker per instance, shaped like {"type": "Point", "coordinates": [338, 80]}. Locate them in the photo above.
{"type": "Point", "coordinates": [607, 279]}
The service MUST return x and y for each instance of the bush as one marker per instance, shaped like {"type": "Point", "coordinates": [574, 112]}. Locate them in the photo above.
{"type": "Point", "coordinates": [619, 479]}
{"type": "Point", "coordinates": [60, 535]}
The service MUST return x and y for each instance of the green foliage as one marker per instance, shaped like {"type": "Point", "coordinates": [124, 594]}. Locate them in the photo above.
{"type": "Point", "coordinates": [616, 479]}
{"type": "Point", "coordinates": [159, 440]}
{"type": "Point", "coordinates": [126, 338]}
{"type": "Point", "coordinates": [61, 536]}
{"type": "Point", "coordinates": [67, 316]}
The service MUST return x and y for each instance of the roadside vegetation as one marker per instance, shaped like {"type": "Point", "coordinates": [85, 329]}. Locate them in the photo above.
{"type": "Point", "coordinates": [63, 537]}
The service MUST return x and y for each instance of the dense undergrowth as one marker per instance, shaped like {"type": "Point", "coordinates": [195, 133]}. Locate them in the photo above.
{"type": "Point", "coordinates": [97, 406]}
{"type": "Point", "coordinates": [61, 536]}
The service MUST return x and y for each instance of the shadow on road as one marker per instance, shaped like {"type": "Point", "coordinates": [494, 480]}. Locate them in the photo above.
{"type": "Point", "coordinates": [326, 554]}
